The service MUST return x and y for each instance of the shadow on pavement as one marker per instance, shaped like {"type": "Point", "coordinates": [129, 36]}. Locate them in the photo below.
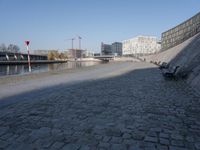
{"type": "Point", "coordinates": [135, 109]}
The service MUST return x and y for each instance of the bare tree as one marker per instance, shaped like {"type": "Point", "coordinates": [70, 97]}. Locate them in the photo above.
{"type": "Point", "coordinates": [16, 48]}
{"type": "Point", "coordinates": [10, 47]}
{"type": "Point", "coordinates": [3, 47]}
{"type": "Point", "coordinates": [13, 48]}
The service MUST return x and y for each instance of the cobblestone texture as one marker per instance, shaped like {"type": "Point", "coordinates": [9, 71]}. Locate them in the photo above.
{"type": "Point", "coordinates": [136, 111]}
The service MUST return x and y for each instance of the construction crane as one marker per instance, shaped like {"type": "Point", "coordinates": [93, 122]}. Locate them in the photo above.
{"type": "Point", "coordinates": [79, 39]}
{"type": "Point", "coordinates": [72, 39]}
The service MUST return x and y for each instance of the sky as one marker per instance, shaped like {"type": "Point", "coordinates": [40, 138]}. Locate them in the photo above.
{"type": "Point", "coordinates": [49, 24]}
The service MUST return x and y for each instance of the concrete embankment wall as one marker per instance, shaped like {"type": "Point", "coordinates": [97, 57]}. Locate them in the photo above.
{"type": "Point", "coordinates": [187, 56]}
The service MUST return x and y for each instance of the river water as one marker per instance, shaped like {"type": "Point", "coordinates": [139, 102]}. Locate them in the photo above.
{"type": "Point", "coordinates": [36, 68]}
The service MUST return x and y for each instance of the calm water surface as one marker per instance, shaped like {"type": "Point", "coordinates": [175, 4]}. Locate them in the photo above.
{"type": "Point", "coordinates": [36, 68]}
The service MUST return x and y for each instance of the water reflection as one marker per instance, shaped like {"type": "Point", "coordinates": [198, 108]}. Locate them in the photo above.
{"type": "Point", "coordinates": [36, 68]}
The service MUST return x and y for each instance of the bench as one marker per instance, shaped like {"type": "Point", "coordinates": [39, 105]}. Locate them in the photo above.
{"type": "Point", "coordinates": [164, 65]}
{"type": "Point", "coordinates": [156, 63]}
{"type": "Point", "coordinates": [170, 73]}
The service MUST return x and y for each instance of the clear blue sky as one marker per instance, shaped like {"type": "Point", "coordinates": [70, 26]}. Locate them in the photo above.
{"type": "Point", "coordinates": [49, 23]}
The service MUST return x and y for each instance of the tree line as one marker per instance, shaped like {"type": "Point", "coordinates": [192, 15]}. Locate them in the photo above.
{"type": "Point", "coordinates": [55, 55]}
{"type": "Point", "coordinates": [10, 48]}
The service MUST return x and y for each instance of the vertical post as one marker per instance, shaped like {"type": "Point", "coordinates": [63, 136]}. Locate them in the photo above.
{"type": "Point", "coordinates": [72, 44]}
{"type": "Point", "coordinates": [73, 47]}
{"type": "Point", "coordinates": [79, 39]}
{"type": "Point", "coordinates": [29, 61]}
{"type": "Point", "coordinates": [79, 42]}
{"type": "Point", "coordinates": [7, 57]}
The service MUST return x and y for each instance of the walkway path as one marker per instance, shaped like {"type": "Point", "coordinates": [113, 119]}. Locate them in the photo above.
{"type": "Point", "coordinates": [12, 85]}
{"type": "Point", "coordinates": [135, 111]}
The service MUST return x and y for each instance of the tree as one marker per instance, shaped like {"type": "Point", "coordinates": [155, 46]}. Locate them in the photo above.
{"type": "Point", "coordinates": [13, 48]}
{"type": "Point", "coordinates": [3, 47]}
{"type": "Point", "coordinates": [10, 47]}
{"type": "Point", "coordinates": [61, 56]}
{"type": "Point", "coordinates": [55, 55]}
{"type": "Point", "coordinates": [16, 48]}
{"type": "Point", "coordinates": [51, 56]}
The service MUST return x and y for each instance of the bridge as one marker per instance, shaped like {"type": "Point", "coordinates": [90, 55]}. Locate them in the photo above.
{"type": "Point", "coordinates": [11, 56]}
{"type": "Point", "coordinates": [105, 57]}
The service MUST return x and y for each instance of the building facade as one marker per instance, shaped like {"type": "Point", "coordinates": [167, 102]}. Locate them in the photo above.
{"type": "Point", "coordinates": [117, 48]}
{"type": "Point", "coordinates": [87, 54]}
{"type": "Point", "coordinates": [141, 45]}
{"type": "Point", "coordinates": [106, 49]}
{"type": "Point", "coordinates": [75, 53]}
{"type": "Point", "coordinates": [181, 32]}
{"type": "Point", "coordinates": [111, 49]}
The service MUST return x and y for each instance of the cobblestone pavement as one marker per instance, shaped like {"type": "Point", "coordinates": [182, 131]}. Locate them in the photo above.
{"type": "Point", "coordinates": [136, 111]}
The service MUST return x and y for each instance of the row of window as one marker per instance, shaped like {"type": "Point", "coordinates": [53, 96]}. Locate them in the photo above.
{"type": "Point", "coordinates": [191, 22]}
{"type": "Point", "coordinates": [181, 33]}
{"type": "Point", "coordinates": [193, 27]}
{"type": "Point", "coordinates": [174, 42]}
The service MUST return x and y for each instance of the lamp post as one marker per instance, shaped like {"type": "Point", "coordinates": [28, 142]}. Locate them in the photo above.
{"type": "Point", "coordinates": [29, 62]}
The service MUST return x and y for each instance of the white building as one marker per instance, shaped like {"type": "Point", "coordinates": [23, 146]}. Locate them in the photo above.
{"type": "Point", "coordinates": [141, 45]}
{"type": "Point", "coordinates": [88, 54]}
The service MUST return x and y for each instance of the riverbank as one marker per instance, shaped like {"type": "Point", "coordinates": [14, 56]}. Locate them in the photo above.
{"type": "Point", "coordinates": [12, 85]}
{"type": "Point", "coordinates": [22, 62]}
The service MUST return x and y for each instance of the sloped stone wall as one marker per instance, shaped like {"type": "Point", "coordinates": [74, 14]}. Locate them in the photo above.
{"type": "Point", "coordinates": [187, 56]}
{"type": "Point", "coordinates": [181, 33]}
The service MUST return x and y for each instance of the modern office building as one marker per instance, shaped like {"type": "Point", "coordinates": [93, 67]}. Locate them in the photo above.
{"type": "Point", "coordinates": [117, 48]}
{"type": "Point", "coordinates": [111, 49]}
{"type": "Point", "coordinates": [180, 33]}
{"type": "Point", "coordinates": [106, 49]}
{"type": "Point", "coordinates": [97, 54]}
{"type": "Point", "coordinates": [141, 45]}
